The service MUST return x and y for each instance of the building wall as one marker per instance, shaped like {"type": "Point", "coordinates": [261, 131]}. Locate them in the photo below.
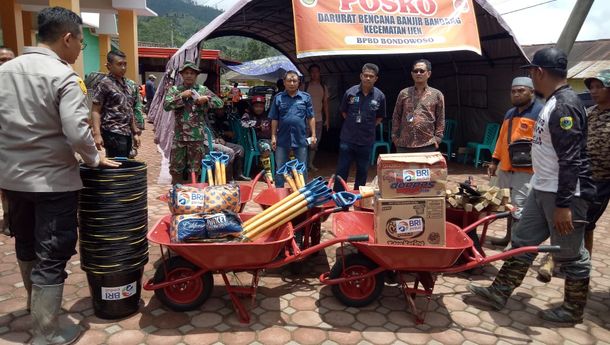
{"type": "Point", "coordinates": [91, 57]}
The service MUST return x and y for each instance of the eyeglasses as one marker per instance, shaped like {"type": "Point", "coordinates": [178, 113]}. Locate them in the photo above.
{"type": "Point", "coordinates": [418, 71]}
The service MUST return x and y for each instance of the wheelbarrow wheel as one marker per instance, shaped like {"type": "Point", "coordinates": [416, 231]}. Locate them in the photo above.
{"type": "Point", "coordinates": [360, 292]}
{"type": "Point", "coordinates": [186, 296]}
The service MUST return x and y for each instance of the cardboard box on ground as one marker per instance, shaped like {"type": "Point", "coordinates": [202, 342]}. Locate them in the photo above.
{"type": "Point", "coordinates": [411, 207]}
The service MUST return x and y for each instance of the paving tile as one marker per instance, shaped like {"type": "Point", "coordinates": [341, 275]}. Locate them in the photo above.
{"type": "Point", "coordinates": [112, 329]}
{"type": "Point", "coordinates": [306, 318]}
{"type": "Point", "coordinates": [206, 320]}
{"type": "Point", "coordinates": [238, 338]}
{"type": "Point", "coordinates": [577, 335]}
{"type": "Point", "coordinates": [344, 336]}
{"type": "Point", "coordinates": [309, 336]}
{"type": "Point", "coordinates": [92, 336]}
{"type": "Point", "coordinates": [479, 336]}
{"type": "Point", "coordinates": [273, 335]}
{"type": "Point", "coordinates": [196, 337]}
{"type": "Point", "coordinates": [15, 338]}
{"type": "Point", "coordinates": [448, 337]}
{"type": "Point", "coordinates": [371, 318]}
{"type": "Point", "coordinates": [465, 319]}
{"type": "Point", "coordinates": [128, 337]}
{"type": "Point", "coordinates": [163, 337]}
{"type": "Point", "coordinates": [379, 335]}
{"type": "Point", "coordinates": [412, 335]}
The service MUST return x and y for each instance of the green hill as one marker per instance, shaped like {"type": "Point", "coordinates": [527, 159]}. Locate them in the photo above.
{"type": "Point", "coordinates": [180, 19]}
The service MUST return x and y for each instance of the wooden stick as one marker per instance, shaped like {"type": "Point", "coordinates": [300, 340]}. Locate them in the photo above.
{"type": "Point", "coordinates": [291, 182]}
{"type": "Point", "coordinates": [272, 207]}
{"type": "Point", "coordinates": [297, 180]}
{"type": "Point", "coordinates": [217, 172]}
{"type": "Point", "coordinates": [269, 215]}
{"type": "Point", "coordinates": [291, 217]}
{"type": "Point", "coordinates": [278, 220]}
{"type": "Point", "coordinates": [210, 176]}
{"type": "Point", "coordinates": [302, 178]}
{"type": "Point", "coordinates": [223, 173]}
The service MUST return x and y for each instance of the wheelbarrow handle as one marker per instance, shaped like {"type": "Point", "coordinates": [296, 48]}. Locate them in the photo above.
{"type": "Point", "coordinates": [485, 220]}
{"type": "Point", "coordinates": [549, 249]}
{"type": "Point", "coordinates": [358, 238]}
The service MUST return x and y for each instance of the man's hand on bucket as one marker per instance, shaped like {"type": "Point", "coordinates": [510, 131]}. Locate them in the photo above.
{"type": "Point", "coordinates": [108, 163]}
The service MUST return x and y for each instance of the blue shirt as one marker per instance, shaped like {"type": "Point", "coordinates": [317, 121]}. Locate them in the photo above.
{"type": "Point", "coordinates": [150, 90]}
{"type": "Point", "coordinates": [291, 113]}
{"type": "Point", "coordinates": [362, 114]}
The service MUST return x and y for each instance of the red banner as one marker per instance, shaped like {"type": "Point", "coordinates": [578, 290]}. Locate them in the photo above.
{"type": "Point", "coordinates": [344, 27]}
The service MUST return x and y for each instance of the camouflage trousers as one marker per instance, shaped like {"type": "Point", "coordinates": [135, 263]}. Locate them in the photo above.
{"type": "Point", "coordinates": [186, 155]}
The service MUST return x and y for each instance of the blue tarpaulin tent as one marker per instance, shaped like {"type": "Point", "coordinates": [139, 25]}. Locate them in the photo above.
{"type": "Point", "coordinates": [269, 69]}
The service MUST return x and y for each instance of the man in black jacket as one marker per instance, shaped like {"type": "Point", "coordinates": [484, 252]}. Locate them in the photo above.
{"type": "Point", "coordinates": [561, 187]}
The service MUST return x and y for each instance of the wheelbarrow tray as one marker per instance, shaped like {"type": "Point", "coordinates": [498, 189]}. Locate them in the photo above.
{"type": "Point", "coordinates": [226, 256]}
{"type": "Point", "coordinates": [401, 257]}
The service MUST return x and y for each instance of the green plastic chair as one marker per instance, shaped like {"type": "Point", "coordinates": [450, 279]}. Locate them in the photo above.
{"type": "Point", "coordinates": [252, 152]}
{"type": "Point", "coordinates": [489, 143]}
{"type": "Point", "coordinates": [448, 136]}
{"type": "Point", "coordinates": [381, 142]}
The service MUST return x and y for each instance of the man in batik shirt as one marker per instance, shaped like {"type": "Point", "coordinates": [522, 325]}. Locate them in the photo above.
{"type": "Point", "coordinates": [190, 103]}
{"type": "Point", "coordinates": [418, 121]}
{"type": "Point", "coordinates": [117, 109]}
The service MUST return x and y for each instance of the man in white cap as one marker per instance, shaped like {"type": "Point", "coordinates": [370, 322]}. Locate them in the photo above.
{"type": "Point", "coordinates": [514, 169]}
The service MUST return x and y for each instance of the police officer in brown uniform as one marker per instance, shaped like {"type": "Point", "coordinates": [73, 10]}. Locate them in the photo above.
{"type": "Point", "coordinates": [43, 123]}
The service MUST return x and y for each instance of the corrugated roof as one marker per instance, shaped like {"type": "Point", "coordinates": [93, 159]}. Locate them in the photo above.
{"type": "Point", "coordinates": [586, 59]}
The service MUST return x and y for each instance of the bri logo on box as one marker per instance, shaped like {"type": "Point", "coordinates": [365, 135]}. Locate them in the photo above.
{"type": "Point", "coordinates": [414, 175]}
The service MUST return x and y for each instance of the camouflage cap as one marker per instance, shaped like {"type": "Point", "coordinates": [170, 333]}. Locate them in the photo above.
{"type": "Point", "coordinates": [191, 65]}
{"type": "Point", "coordinates": [603, 76]}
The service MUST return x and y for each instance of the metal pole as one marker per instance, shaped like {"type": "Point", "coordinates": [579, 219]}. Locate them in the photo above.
{"type": "Point", "coordinates": [572, 27]}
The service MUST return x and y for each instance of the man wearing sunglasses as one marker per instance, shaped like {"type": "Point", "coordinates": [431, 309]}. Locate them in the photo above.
{"type": "Point", "coordinates": [418, 121]}
{"type": "Point", "coordinates": [561, 188]}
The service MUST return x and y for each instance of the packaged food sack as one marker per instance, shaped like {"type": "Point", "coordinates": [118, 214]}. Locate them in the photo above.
{"type": "Point", "coordinates": [186, 200]}
{"type": "Point", "coordinates": [188, 228]}
{"type": "Point", "coordinates": [223, 224]}
{"type": "Point", "coordinates": [221, 198]}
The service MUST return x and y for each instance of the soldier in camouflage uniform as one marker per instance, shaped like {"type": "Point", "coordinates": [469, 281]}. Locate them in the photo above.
{"type": "Point", "coordinates": [190, 103]}
{"type": "Point", "coordinates": [117, 109]}
{"type": "Point", "coordinates": [598, 147]}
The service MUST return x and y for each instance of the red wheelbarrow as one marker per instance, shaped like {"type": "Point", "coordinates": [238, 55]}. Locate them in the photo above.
{"type": "Point", "coordinates": [357, 279]}
{"type": "Point", "coordinates": [184, 280]}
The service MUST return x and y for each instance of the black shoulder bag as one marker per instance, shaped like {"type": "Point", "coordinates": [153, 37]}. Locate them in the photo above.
{"type": "Point", "coordinates": [520, 151]}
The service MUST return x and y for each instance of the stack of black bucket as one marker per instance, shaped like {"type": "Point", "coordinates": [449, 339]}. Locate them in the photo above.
{"type": "Point", "coordinates": [113, 222]}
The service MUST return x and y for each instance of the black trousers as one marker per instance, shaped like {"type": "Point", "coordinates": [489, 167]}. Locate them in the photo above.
{"type": "Point", "coordinates": [116, 145]}
{"type": "Point", "coordinates": [45, 229]}
{"type": "Point", "coordinates": [599, 205]}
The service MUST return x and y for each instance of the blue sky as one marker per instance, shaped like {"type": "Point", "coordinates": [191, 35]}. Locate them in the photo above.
{"type": "Point", "coordinates": [527, 24]}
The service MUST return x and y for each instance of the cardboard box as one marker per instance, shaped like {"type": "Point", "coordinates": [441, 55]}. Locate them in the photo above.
{"type": "Point", "coordinates": [404, 175]}
{"type": "Point", "coordinates": [410, 221]}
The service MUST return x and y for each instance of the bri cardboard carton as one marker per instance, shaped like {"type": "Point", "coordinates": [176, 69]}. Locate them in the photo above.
{"type": "Point", "coordinates": [410, 221]}
{"type": "Point", "coordinates": [404, 175]}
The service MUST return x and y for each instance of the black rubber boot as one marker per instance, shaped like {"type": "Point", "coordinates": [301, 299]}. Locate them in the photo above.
{"type": "Point", "coordinates": [574, 302]}
{"type": "Point", "coordinates": [508, 279]}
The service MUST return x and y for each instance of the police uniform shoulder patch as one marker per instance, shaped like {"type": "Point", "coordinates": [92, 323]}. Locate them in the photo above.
{"type": "Point", "coordinates": [566, 122]}
{"type": "Point", "coordinates": [82, 85]}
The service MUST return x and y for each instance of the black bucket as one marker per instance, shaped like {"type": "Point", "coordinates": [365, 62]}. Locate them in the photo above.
{"type": "Point", "coordinates": [115, 295]}
{"type": "Point", "coordinates": [113, 221]}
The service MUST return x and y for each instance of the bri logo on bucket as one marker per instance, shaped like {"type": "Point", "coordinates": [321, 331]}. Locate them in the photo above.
{"type": "Point", "coordinates": [415, 175]}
